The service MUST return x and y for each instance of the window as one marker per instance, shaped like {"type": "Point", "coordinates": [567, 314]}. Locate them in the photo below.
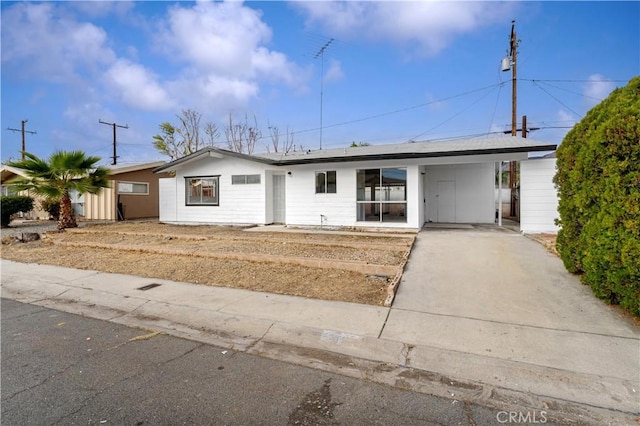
{"type": "Point", "coordinates": [244, 179]}
{"type": "Point", "coordinates": [136, 188]}
{"type": "Point", "coordinates": [202, 191]}
{"type": "Point", "coordinates": [8, 190]}
{"type": "Point", "coordinates": [326, 182]}
{"type": "Point", "coordinates": [382, 195]}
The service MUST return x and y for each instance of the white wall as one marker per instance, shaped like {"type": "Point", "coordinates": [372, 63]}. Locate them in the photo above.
{"type": "Point", "coordinates": [474, 191]}
{"type": "Point", "coordinates": [168, 197]}
{"type": "Point", "coordinates": [538, 196]}
{"type": "Point", "coordinates": [304, 206]}
{"type": "Point", "coordinates": [239, 204]}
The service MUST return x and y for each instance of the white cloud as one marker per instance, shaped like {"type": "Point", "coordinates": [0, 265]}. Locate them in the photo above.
{"type": "Point", "coordinates": [50, 46]}
{"type": "Point", "coordinates": [334, 72]}
{"type": "Point", "coordinates": [596, 90]}
{"type": "Point", "coordinates": [226, 44]}
{"type": "Point", "coordinates": [218, 57]}
{"type": "Point", "coordinates": [429, 25]}
{"type": "Point", "coordinates": [100, 8]}
{"type": "Point", "coordinates": [137, 86]}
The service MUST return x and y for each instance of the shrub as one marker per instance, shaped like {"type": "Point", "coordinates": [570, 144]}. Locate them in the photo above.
{"type": "Point", "coordinates": [598, 181]}
{"type": "Point", "coordinates": [51, 206]}
{"type": "Point", "coordinates": [12, 204]}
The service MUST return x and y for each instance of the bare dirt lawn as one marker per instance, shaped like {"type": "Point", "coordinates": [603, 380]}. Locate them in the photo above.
{"type": "Point", "coordinates": [331, 266]}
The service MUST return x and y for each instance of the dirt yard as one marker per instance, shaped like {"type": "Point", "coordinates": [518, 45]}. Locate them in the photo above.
{"type": "Point", "coordinates": [332, 266]}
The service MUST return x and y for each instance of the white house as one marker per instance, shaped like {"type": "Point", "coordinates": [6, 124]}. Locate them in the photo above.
{"type": "Point", "coordinates": [385, 186]}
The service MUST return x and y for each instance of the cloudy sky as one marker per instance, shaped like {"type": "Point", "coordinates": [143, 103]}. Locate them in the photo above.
{"type": "Point", "coordinates": [393, 72]}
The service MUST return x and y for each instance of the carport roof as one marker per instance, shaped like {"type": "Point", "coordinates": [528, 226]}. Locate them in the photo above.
{"type": "Point", "coordinates": [460, 147]}
{"type": "Point", "coordinates": [492, 145]}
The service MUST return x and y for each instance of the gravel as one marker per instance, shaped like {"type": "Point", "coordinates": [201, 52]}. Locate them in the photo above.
{"type": "Point", "coordinates": [18, 227]}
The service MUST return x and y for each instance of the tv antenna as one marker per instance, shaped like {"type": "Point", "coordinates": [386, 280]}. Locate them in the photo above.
{"type": "Point", "coordinates": [23, 131]}
{"type": "Point", "coordinates": [320, 55]}
{"type": "Point", "coordinates": [114, 125]}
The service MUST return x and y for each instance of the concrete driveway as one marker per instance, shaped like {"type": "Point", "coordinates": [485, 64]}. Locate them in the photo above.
{"type": "Point", "coordinates": [493, 293]}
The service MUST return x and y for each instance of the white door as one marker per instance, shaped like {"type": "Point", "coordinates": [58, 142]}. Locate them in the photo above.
{"type": "Point", "coordinates": [446, 200]}
{"type": "Point", "coordinates": [279, 205]}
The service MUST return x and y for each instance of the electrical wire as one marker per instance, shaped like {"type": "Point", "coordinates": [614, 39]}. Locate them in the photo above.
{"type": "Point", "coordinates": [495, 108]}
{"type": "Point", "coordinates": [455, 115]}
{"type": "Point", "coordinates": [569, 91]}
{"type": "Point", "coordinates": [397, 111]}
{"type": "Point", "coordinates": [574, 81]}
{"type": "Point", "coordinates": [556, 99]}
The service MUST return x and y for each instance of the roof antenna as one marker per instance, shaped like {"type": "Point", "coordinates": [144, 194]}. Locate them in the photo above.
{"type": "Point", "coordinates": [320, 55]}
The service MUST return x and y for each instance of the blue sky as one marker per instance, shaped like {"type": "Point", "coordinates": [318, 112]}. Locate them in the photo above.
{"type": "Point", "coordinates": [395, 72]}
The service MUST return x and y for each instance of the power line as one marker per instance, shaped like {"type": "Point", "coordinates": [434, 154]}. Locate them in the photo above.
{"type": "Point", "coordinates": [495, 108]}
{"type": "Point", "coordinates": [569, 91]}
{"type": "Point", "coordinates": [453, 116]}
{"type": "Point", "coordinates": [556, 99]}
{"type": "Point", "coordinates": [576, 81]}
{"type": "Point", "coordinates": [397, 111]}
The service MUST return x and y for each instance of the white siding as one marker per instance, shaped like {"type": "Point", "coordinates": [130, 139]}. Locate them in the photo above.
{"type": "Point", "coordinates": [473, 186]}
{"type": "Point", "coordinates": [538, 196]}
{"type": "Point", "coordinates": [168, 197]}
{"type": "Point", "coordinates": [239, 204]}
{"type": "Point", "coordinates": [305, 207]}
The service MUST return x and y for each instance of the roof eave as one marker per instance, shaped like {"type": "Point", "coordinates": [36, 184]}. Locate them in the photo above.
{"type": "Point", "coordinates": [411, 155]}
{"type": "Point", "coordinates": [210, 152]}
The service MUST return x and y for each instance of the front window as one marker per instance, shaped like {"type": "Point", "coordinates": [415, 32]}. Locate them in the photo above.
{"type": "Point", "coordinates": [8, 190]}
{"type": "Point", "coordinates": [326, 182]}
{"type": "Point", "coordinates": [137, 188]}
{"type": "Point", "coordinates": [382, 195]}
{"type": "Point", "coordinates": [202, 191]}
{"type": "Point", "coordinates": [244, 179]}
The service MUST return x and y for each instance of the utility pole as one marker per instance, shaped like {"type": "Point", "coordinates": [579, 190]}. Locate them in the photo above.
{"type": "Point", "coordinates": [114, 125]}
{"type": "Point", "coordinates": [23, 131]}
{"type": "Point", "coordinates": [510, 62]}
{"type": "Point", "coordinates": [320, 55]}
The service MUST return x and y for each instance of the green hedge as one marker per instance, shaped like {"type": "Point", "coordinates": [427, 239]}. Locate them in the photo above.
{"type": "Point", "coordinates": [12, 204]}
{"type": "Point", "coordinates": [51, 206]}
{"type": "Point", "coordinates": [598, 181]}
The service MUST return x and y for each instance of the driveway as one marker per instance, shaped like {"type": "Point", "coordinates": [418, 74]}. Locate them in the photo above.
{"type": "Point", "coordinates": [494, 293]}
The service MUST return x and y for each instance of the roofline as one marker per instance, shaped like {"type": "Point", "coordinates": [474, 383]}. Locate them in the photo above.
{"type": "Point", "coordinates": [345, 159]}
{"type": "Point", "coordinates": [134, 167]}
{"type": "Point", "coordinates": [207, 152]}
{"type": "Point", "coordinates": [409, 155]}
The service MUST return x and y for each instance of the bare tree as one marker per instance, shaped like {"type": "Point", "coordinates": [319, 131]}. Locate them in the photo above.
{"type": "Point", "coordinates": [242, 136]}
{"type": "Point", "coordinates": [185, 138]}
{"type": "Point", "coordinates": [212, 132]}
{"type": "Point", "coordinates": [280, 142]}
{"type": "Point", "coordinates": [189, 129]}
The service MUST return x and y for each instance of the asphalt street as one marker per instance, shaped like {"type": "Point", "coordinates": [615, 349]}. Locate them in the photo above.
{"type": "Point", "coordinates": [61, 368]}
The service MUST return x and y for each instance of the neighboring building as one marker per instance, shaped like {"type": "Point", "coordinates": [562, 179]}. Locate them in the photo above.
{"type": "Point", "coordinates": [384, 186]}
{"type": "Point", "coordinates": [132, 194]}
{"type": "Point", "coordinates": [7, 175]}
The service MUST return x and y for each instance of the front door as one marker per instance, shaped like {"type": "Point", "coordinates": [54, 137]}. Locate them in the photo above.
{"type": "Point", "coordinates": [279, 205]}
{"type": "Point", "coordinates": [446, 200]}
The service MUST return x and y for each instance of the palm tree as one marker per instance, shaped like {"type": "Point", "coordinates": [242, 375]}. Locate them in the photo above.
{"type": "Point", "coordinates": [56, 176]}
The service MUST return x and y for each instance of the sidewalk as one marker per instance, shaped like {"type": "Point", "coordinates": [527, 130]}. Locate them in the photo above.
{"type": "Point", "coordinates": [342, 337]}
